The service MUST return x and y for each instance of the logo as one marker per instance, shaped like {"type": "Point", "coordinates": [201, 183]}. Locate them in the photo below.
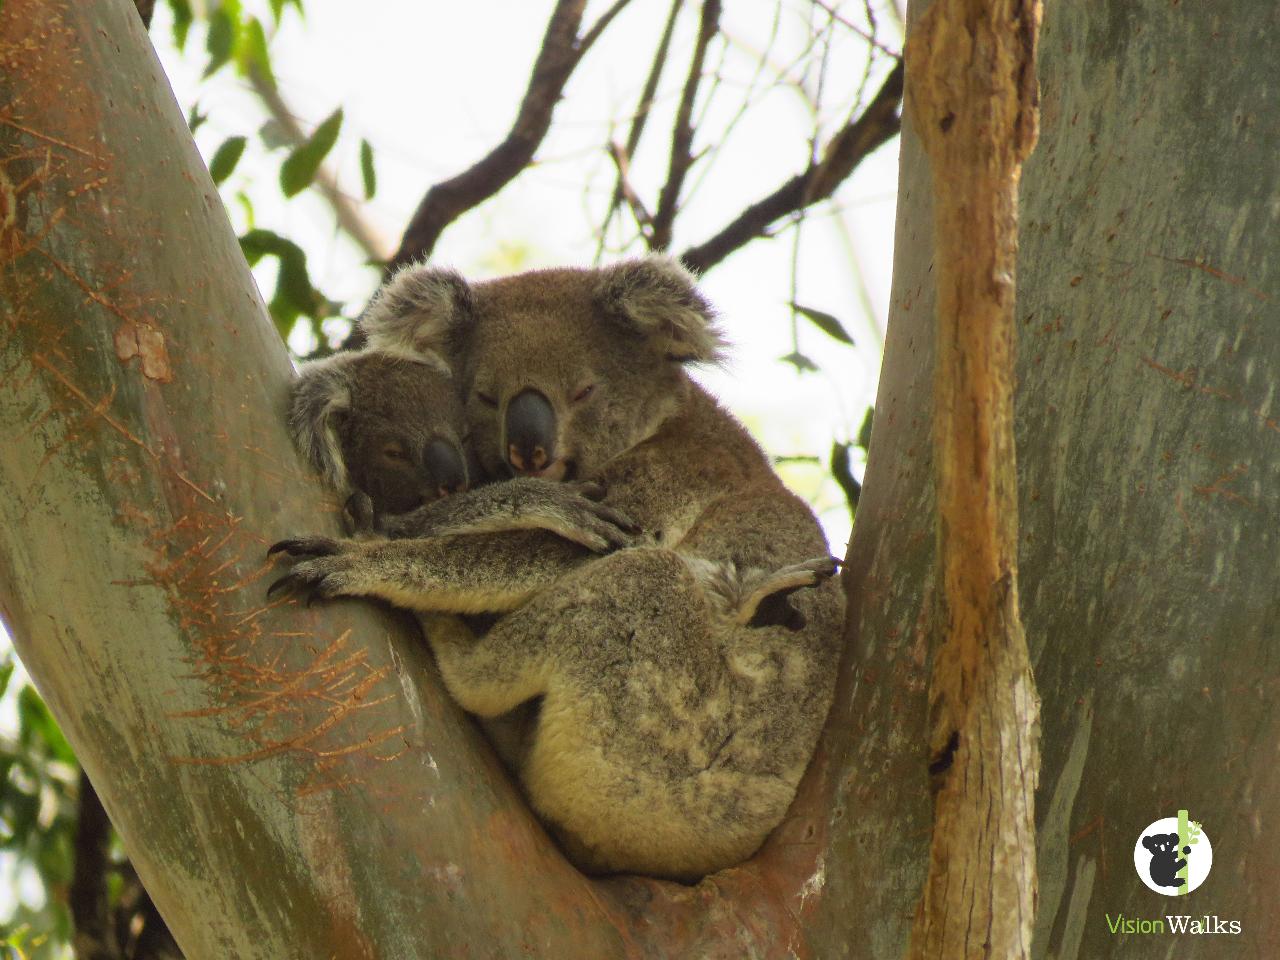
{"type": "Point", "coordinates": [1173, 856]}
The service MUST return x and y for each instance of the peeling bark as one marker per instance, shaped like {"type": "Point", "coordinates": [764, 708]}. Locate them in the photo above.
{"type": "Point", "coordinates": [971, 92]}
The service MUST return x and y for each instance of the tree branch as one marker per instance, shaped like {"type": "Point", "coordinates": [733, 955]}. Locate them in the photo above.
{"type": "Point", "coordinates": [622, 160]}
{"type": "Point", "coordinates": [876, 125]}
{"type": "Point", "coordinates": [640, 118]}
{"type": "Point", "coordinates": [682, 134]}
{"type": "Point", "coordinates": [973, 102]}
{"type": "Point", "coordinates": [146, 8]}
{"type": "Point", "coordinates": [351, 220]}
{"type": "Point", "coordinates": [561, 52]}
{"type": "Point", "coordinates": [87, 895]}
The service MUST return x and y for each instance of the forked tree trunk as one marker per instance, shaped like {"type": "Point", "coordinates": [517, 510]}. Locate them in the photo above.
{"type": "Point", "coordinates": [296, 784]}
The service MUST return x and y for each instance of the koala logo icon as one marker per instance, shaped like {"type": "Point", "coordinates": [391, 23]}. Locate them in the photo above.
{"type": "Point", "coordinates": [1173, 855]}
{"type": "Point", "coordinates": [1165, 862]}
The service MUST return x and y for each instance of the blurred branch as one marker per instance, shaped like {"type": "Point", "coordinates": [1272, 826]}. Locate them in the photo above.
{"type": "Point", "coordinates": [876, 125]}
{"type": "Point", "coordinates": [843, 474]}
{"type": "Point", "coordinates": [682, 134]}
{"type": "Point", "coordinates": [869, 36]}
{"type": "Point", "coordinates": [351, 219]}
{"type": "Point", "coordinates": [622, 160]}
{"type": "Point", "coordinates": [145, 10]}
{"type": "Point", "coordinates": [638, 120]}
{"type": "Point", "coordinates": [87, 895]}
{"type": "Point", "coordinates": [562, 49]}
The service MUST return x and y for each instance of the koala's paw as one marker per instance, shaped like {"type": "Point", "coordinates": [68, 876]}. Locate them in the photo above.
{"type": "Point", "coordinates": [760, 586]}
{"type": "Point", "coordinates": [327, 571]}
{"type": "Point", "coordinates": [580, 514]}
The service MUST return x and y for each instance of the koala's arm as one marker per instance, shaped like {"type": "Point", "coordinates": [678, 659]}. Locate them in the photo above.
{"type": "Point", "coordinates": [573, 511]}
{"type": "Point", "coordinates": [477, 573]}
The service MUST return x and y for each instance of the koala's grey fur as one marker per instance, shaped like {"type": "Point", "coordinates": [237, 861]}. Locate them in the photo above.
{"type": "Point", "coordinates": [683, 681]}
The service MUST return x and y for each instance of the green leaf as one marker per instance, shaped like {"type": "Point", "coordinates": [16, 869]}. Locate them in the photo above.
{"type": "Point", "coordinates": [366, 170]}
{"type": "Point", "coordinates": [277, 8]}
{"type": "Point", "coordinates": [274, 135]}
{"type": "Point", "coordinates": [35, 721]}
{"type": "Point", "coordinates": [864, 432]}
{"type": "Point", "coordinates": [6, 672]}
{"type": "Point", "coordinates": [251, 52]}
{"type": "Point", "coordinates": [221, 42]}
{"type": "Point", "coordinates": [300, 167]}
{"type": "Point", "coordinates": [800, 362]}
{"type": "Point", "coordinates": [225, 158]}
{"type": "Point", "coordinates": [824, 322]}
{"type": "Point", "coordinates": [182, 17]}
{"type": "Point", "coordinates": [196, 119]}
{"type": "Point", "coordinates": [294, 295]}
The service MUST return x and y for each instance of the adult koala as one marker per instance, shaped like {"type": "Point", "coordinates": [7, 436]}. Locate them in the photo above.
{"type": "Point", "coordinates": [684, 681]}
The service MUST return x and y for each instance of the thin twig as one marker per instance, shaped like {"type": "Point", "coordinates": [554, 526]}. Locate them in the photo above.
{"type": "Point", "coordinates": [638, 210]}
{"type": "Point", "coordinates": [560, 54]}
{"type": "Point", "coordinates": [351, 219]}
{"type": "Point", "coordinates": [682, 134]}
{"type": "Point", "coordinates": [641, 116]}
{"type": "Point", "coordinates": [877, 124]}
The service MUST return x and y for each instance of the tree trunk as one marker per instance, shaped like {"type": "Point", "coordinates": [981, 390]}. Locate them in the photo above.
{"type": "Point", "coordinates": [1148, 448]}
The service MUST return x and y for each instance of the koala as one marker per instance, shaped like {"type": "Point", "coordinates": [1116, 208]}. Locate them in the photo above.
{"type": "Point", "coordinates": [683, 680]}
{"type": "Point", "coordinates": [388, 428]}
{"type": "Point", "coordinates": [1165, 862]}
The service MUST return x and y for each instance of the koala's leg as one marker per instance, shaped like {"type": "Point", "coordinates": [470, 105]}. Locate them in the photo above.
{"type": "Point", "coordinates": [744, 593]}
{"type": "Point", "coordinates": [571, 510]}
{"type": "Point", "coordinates": [489, 675]}
{"type": "Point", "coordinates": [483, 573]}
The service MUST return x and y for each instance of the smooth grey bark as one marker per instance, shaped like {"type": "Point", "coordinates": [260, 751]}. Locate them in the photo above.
{"type": "Point", "coordinates": [1149, 477]}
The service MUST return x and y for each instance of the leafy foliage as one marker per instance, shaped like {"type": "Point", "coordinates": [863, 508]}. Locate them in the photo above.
{"type": "Point", "coordinates": [38, 776]}
{"type": "Point", "coordinates": [303, 163]}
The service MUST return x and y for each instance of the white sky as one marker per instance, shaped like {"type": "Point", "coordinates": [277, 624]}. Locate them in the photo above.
{"type": "Point", "coordinates": [434, 86]}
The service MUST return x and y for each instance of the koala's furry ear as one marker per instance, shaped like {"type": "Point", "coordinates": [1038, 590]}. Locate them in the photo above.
{"type": "Point", "coordinates": [418, 311]}
{"type": "Point", "coordinates": [320, 395]}
{"type": "Point", "coordinates": [659, 297]}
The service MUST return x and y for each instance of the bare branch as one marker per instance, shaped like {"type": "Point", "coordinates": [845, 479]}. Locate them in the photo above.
{"type": "Point", "coordinates": [869, 36]}
{"type": "Point", "coordinates": [351, 220]}
{"type": "Point", "coordinates": [682, 134]}
{"type": "Point", "coordinates": [641, 116]}
{"type": "Point", "coordinates": [87, 896]}
{"type": "Point", "coordinates": [445, 202]}
{"type": "Point", "coordinates": [622, 161]}
{"type": "Point", "coordinates": [877, 124]}
{"type": "Point", "coordinates": [145, 10]}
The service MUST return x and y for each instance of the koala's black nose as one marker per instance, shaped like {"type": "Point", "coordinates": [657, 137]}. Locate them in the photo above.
{"type": "Point", "coordinates": [531, 432]}
{"type": "Point", "coordinates": [446, 465]}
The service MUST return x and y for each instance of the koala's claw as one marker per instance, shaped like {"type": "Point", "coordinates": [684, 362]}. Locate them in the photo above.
{"type": "Point", "coordinates": [309, 585]}
{"type": "Point", "coordinates": [306, 547]}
